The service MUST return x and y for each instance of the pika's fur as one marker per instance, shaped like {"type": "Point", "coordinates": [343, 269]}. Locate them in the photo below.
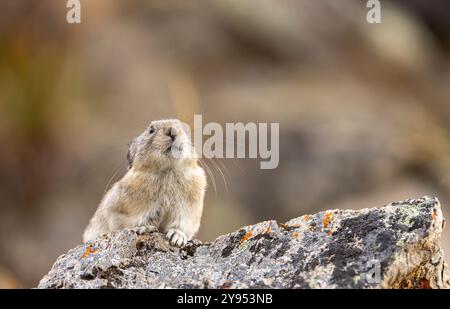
{"type": "Point", "coordinates": [163, 188]}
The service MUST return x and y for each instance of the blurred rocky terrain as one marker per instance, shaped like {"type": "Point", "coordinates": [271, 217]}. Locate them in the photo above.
{"type": "Point", "coordinates": [364, 109]}
{"type": "Point", "coordinates": [396, 246]}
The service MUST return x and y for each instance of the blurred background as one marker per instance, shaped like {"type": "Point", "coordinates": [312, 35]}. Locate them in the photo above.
{"type": "Point", "coordinates": [364, 109]}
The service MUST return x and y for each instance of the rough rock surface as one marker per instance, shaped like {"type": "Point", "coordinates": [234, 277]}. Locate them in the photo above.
{"type": "Point", "coordinates": [396, 246]}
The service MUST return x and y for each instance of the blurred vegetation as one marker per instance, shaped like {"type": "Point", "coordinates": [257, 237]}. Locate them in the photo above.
{"type": "Point", "coordinates": [364, 110]}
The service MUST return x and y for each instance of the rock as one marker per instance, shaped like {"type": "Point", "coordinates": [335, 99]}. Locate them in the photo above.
{"type": "Point", "coordinates": [396, 246]}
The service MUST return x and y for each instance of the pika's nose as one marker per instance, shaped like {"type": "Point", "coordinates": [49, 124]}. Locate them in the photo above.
{"type": "Point", "coordinates": [172, 133]}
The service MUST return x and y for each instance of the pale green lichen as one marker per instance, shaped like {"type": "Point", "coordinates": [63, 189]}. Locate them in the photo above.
{"type": "Point", "coordinates": [408, 214]}
{"type": "Point", "coordinates": [243, 246]}
{"type": "Point", "coordinates": [312, 283]}
{"type": "Point", "coordinates": [400, 242]}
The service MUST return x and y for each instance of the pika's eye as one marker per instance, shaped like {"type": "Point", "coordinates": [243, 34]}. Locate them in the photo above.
{"type": "Point", "coordinates": [152, 130]}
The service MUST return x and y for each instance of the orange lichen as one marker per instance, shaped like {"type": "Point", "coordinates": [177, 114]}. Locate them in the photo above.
{"type": "Point", "coordinates": [307, 217]}
{"type": "Point", "coordinates": [296, 225]}
{"type": "Point", "coordinates": [268, 230]}
{"type": "Point", "coordinates": [246, 236]}
{"type": "Point", "coordinates": [295, 234]}
{"type": "Point", "coordinates": [327, 219]}
{"type": "Point", "coordinates": [89, 250]}
{"type": "Point", "coordinates": [425, 284]}
{"type": "Point", "coordinates": [434, 215]}
{"type": "Point", "coordinates": [283, 225]}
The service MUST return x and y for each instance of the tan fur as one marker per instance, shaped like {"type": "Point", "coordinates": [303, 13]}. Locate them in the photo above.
{"type": "Point", "coordinates": [162, 189]}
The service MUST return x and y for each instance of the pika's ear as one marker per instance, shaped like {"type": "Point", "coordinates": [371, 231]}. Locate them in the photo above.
{"type": "Point", "coordinates": [131, 153]}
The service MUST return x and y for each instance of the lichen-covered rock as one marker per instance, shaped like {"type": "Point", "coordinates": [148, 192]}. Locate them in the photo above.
{"type": "Point", "coordinates": [396, 246]}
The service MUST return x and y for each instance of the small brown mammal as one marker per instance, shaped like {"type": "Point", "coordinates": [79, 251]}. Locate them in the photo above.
{"type": "Point", "coordinates": [163, 188]}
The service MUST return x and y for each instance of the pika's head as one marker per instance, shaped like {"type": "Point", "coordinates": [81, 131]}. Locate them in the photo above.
{"type": "Point", "coordinates": [163, 144]}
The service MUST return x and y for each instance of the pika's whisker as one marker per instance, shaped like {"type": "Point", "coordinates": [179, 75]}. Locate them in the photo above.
{"type": "Point", "coordinates": [224, 168]}
{"type": "Point", "coordinates": [115, 172]}
{"type": "Point", "coordinates": [238, 166]}
{"type": "Point", "coordinates": [210, 174]}
{"type": "Point", "coordinates": [221, 173]}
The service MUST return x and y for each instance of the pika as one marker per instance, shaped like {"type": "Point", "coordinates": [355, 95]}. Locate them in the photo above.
{"type": "Point", "coordinates": [162, 190]}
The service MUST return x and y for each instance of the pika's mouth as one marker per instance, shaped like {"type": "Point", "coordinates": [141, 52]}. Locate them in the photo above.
{"type": "Point", "coordinates": [173, 148]}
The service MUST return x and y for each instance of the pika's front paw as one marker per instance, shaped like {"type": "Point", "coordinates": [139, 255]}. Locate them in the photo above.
{"type": "Point", "coordinates": [176, 237]}
{"type": "Point", "coordinates": [140, 230]}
